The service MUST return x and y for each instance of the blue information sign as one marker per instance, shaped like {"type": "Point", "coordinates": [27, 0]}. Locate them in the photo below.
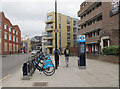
{"type": "Point", "coordinates": [81, 38]}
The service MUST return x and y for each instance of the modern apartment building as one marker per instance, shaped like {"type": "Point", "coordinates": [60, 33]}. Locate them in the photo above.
{"type": "Point", "coordinates": [10, 36]}
{"type": "Point", "coordinates": [67, 34]}
{"type": "Point", "coordinates": [99, 22]}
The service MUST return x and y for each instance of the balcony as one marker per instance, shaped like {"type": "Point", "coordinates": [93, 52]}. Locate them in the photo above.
{"type": "Point", "coordinates": [49, 45]}
{"type": "Point", "coordinates": [49, 21]}
{"type": "Point", "coordinates": [91, 27]}
{"type": "Point", "coordinates": [49, 28]}
{"type": "Point", "coordinates": [85, 8]}
{"type": "Point", "coordinates": [49, 37]}
{"type": "Point", "coordinates": [92, 40]}
{"type": "Point", "coordinates": [75, 32]}
{"type": "Point", "coordinates": [93, 14]}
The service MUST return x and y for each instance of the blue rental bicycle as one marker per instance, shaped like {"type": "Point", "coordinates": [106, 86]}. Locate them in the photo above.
{"type": "Point", "coordinates": [47, 65]}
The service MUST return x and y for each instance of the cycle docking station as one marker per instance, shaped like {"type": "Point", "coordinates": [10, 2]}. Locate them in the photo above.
{"type": "Point", "coordinates": [32, 64]}
{"type": "Point", "coordinates": [81, 51]}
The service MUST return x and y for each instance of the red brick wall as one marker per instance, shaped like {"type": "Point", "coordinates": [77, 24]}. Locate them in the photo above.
{"type": "Point", "coordinates": [6, 21]}
{"type": "Point", "coordinates": [73, 51]}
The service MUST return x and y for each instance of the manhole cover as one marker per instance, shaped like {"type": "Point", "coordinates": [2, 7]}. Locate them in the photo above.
{"type": "Point", "coordinates": [40, 84]}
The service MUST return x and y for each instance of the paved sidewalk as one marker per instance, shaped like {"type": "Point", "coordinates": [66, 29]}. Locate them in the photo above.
{"type": "Point", "coordinates": [96, 74]}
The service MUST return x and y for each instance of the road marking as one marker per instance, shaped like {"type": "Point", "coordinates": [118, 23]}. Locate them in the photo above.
{"type": "Point", "coordinates": [5, 77]}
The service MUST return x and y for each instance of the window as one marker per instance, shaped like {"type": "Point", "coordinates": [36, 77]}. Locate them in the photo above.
{"type": "Point", "coordinates": [0, 23]}
{"type": "Point", "coordinates": [14, 31]}
{"type": "Point", "coordinates": [94, 33]}
{"type": "Point", "coordinates": [13, 38]}
{"type": "Point", "coordinates": [50, 17]}
{"type": "Point", "coordinates": [98, 32]}
{"type": "Point", "coordinates": [14, 47]}
{"type": "Point", "coordinates": [17, 33]}
{"type": "Point", "coordinates": [17, 39]}
{"type": "Point", "coordinates": [94, 21]}
{"type": "Point", "coordinates": [68, 20]}
{"type": "Point", "coordinates": [81, 17]}
{"type": "Point", "coordinates": [10, 37]}
{"type": "Point", "coordinates": [5, 47]}
{"type": "Point", "coordinates": [88, 35]}
{"type": "Point", "coordinates": [99, 18]}
{"type": "Point", "coordinates": [10, 30]}
{"type": "Point", "coordinates": [10, 47]}
{"type": "Point", "coordinates": [82, 27]}
{"type": "Point", "coordinates": [5, 35]}
{"type": "Point", "coordinates": [91, 34]}
{"type": "Point", "coordinates": [85, 25]}
{"type": "Point", "coordinates": [5, 26]}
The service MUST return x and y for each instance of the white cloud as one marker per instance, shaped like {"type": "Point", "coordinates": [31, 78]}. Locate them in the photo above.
{"type": "Point", "coordinates": [31, 16]}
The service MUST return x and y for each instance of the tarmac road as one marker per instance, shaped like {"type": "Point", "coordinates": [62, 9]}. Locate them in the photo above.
{"type": "Point", "coordinates": [11, 63]}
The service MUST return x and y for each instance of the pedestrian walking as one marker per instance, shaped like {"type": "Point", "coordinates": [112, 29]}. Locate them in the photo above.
{"type": "Point", "coordinates": [67, 54]}
{"type": "Point", "coordinates": [57, 58]}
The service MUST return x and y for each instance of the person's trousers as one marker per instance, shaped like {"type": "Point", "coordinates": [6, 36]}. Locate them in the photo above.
{"type": "Point", "coordinates": [67, 60]}
{"type": "Point", "coordinates": [56, 61]}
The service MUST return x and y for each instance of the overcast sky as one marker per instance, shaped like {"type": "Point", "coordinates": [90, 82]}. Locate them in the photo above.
{"type": "Point", "coordinates": [30, 15]}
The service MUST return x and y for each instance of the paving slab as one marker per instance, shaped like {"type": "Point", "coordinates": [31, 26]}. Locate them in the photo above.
{"type": "Point", "coordinates": [96, 74]}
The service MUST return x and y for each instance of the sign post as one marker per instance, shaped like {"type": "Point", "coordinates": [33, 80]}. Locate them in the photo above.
{"type": "Point", "coordinates": [81, 51]}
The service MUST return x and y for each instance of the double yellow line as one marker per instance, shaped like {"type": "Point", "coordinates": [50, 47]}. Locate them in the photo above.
{"type": "Point", "coordinates": [5, 77]}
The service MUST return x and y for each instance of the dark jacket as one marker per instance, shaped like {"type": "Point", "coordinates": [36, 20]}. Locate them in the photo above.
{"type": "Point", "coordinates": [66, 53]}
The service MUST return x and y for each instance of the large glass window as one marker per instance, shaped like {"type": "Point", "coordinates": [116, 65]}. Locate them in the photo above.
{"type": "Point", "coordinates": [5, 35]}
{"type": "Point", "coordinates": [68, 20]}
{"type": "Point", "coordinates": [10, 30]}
{"type": "Point", "coordinates": [50, 17]}
{"type": "Point", "coordinates": [5, 47]}
{"type": "Point", "coordinates": [5, 26]}
{"type": "Point", "coordinates": [14, 31]}
{"type": "Point", "coordinates": [17, 39]}
{"type": "Point", "coordinates": [13, 38]}
{"type": "Point", "coordinates": [10, 37]}
{"type": "Point", "coordinates": [0, 23]}
{"type": "Point", "coordinates": [14, 47]}
{"type": "Point", "coordinates": [10, 47]}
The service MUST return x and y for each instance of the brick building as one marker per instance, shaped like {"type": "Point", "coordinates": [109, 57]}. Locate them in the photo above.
{"type": "Point", "coordinates": [10, 36]}
{"type": "Point", "coordinates": [99, 22]}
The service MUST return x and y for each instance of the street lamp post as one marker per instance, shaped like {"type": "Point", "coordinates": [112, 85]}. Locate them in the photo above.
{"type": "Point", "coordinates": [56, 55]}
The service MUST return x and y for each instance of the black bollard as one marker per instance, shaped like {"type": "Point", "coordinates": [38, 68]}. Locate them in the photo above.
{"type": "Point", "coordinates": [25, 71]}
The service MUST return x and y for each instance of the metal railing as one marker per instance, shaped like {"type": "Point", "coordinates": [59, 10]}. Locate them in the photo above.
{"type": "Point", "coordinates": [49, 35]}
{"type": "Point", "coordinates": [49, 43]}
{"type": "Point", "coordinates": [49, 27]}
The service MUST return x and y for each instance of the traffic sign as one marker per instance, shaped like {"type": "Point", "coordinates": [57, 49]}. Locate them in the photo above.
{"type": "Point", "coordinates": [81, 38]}
{"type": "Point", "coordinates": [56, 30]}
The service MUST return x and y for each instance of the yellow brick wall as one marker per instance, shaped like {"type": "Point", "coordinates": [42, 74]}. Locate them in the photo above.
{"type": "Point", "coordinates": [63, 31]}
{"type": "Point", "coordinates": [71, 32]}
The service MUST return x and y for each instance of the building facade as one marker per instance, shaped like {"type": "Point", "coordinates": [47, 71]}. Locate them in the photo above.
{"type": "Point", "coordinates": [99, 22]}
{"type": "Point", "coordinates": [26, 44]}
{"type": "Point", "coordinates": [67, 31]}
{"type": "Point", "coordinates": [36, 43]}
{"type": "Point", "coordinates": [44, 41]}
{"type": "Point", "coordinates": [10, 36]}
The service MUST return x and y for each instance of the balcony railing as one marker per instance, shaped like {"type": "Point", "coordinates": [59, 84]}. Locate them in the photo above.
{"type": "Point", "coordinates": [49, 27]}
{"type": "Point", "coordinates": [49, 43]}
{"type": "Point", "coordinates": [49, 35]}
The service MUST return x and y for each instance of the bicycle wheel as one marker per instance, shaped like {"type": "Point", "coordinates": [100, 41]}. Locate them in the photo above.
{"type": "Point", "coordinates": [49, 71]}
